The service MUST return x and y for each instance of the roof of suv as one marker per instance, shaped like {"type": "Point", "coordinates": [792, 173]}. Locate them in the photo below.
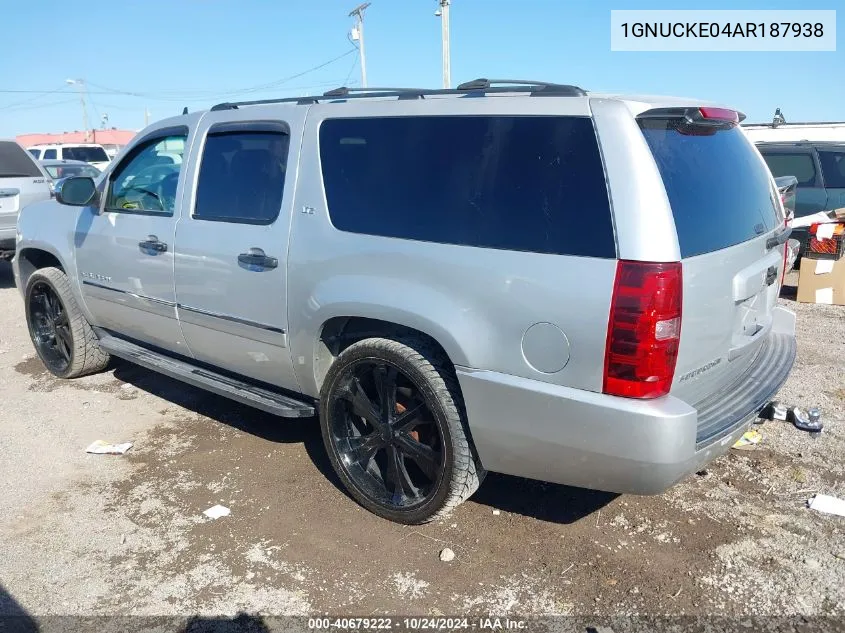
{"type": "Point", "coordinates": [478, 88]}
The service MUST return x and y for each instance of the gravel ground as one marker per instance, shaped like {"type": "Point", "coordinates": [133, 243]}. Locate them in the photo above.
{"type": "Point", "coordinates": [84, 534]}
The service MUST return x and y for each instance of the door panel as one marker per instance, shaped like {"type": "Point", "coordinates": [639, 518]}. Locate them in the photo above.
{"type": "Point", "coordinates": [124, 249]}
{"type": "Point", "coordinates": [232, 241]}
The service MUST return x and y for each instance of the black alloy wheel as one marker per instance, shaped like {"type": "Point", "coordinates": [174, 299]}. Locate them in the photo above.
{"type": "Point", "coordinates": [386, 437]}
{"type": "Point", "coordinates": [50, 328]}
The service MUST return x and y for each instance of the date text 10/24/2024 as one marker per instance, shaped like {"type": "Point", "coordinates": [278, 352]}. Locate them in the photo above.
{"type": "Point", "coordinates": [417, 624]}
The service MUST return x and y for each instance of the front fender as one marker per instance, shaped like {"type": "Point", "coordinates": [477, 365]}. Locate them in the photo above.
{"type": "Point", "coordinates": [49, 227]}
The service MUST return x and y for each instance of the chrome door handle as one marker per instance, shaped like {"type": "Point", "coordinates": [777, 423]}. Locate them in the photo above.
{"type": "Point", "coordinates": [152, 243]}
{"type": "Point", "coordinates": [255, 259]}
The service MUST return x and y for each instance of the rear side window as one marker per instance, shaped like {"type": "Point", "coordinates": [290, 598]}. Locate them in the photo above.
{"type": "Point", "coordinates": [242, 177]}
{"type": "Point", "coordinates": [533, 183]}
{"type": "Point", "coordinates": [35, 152]}
{"type": "Point", "coordinates": [833, 169]}
{"type": "Point", "coordinates": [14, 162]}
{"type": "Point", "coordinates": [720, 191]}
{"type": "Point", "coordinates": [799, 165]}
{"type": "Point", "coordinates": [49, 154]}
{"type": "Point", "coordinates": [86, 154]}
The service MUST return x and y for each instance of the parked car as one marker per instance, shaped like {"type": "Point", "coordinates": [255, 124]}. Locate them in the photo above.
{"type": "Point", "coordinates": [58, 169]}
{"type": "Point", "coordinates": [22, 182]}
{"type": "Point", "coordinates": [86, 152]}
{"type": "Point", "coordinates": [578, 288]}
{"type": "Point", "coordinates": [819, 167]}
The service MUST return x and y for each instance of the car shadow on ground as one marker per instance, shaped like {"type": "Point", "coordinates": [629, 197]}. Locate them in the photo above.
{"type": "Point", "coordinates": [789, 292]}
{"type": "Point", "coordinates": [7, 279]}
{"type": "Point", "coordinates": [540, 500]}
{"type": "Point", "coordinates": [13, 617]}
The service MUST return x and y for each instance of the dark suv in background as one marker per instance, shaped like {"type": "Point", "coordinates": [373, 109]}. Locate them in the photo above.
{"type": "Point", "coordinates": [819, 167]}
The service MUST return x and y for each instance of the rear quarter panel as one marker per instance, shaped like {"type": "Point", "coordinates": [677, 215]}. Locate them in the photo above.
{"type": "Point", "coordinates": [477, 303]}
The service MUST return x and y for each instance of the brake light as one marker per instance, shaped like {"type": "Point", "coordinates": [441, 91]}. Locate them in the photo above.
{"type": "Point", "coordinates": [644, 329]}
{"type": "Point", "coordinates": [719, 114]}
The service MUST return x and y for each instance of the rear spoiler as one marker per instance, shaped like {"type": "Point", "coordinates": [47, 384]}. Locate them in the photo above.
{"type": "Point", "coordinates": [702, 117]}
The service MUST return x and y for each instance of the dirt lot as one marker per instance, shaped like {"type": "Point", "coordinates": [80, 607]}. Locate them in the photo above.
{"type": "Point", "coordinates": [86, 534]}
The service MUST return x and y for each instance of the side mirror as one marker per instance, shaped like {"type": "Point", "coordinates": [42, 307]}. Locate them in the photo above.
{"type": "Point", "coordinates": [76, 191]}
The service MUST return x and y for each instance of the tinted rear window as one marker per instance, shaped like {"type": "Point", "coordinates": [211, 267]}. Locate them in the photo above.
{"type": "Point", "coordinates": [720, 191]}
{"type": "Point", "coordinates": [833, 168]}
{"type": "Point", "coordinates": [87, 154]}
{"type": "Point", "coordinates": [14, 161]}
{"type": "Point", "coordinates": [517, 183]}
{"type": "Point", "coordinates": [800, 165]}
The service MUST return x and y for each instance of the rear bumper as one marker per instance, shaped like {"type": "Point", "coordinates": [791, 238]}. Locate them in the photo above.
{"type": "Point", "coordinates": [532, 429]}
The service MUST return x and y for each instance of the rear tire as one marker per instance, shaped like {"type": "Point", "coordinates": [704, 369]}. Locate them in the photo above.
{"type": "Point", "coordinates": [406, 457]}
{"type": "Point", "coordinates": [61, 335]}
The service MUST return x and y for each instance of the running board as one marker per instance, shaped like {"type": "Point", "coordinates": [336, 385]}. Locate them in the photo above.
{"type": "Point", "coordinates": [233, 388]}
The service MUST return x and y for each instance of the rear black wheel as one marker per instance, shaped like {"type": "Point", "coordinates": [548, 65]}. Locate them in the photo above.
{"type": "Point", "coordinates": [62, 337]}
{"type": "Point", "coordinates": [393, 426]}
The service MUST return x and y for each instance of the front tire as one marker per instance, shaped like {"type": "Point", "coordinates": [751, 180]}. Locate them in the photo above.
{"type": "Point", "coordinates": [61, 335]}
{"type": "Point", "coordinates": [392, 420]}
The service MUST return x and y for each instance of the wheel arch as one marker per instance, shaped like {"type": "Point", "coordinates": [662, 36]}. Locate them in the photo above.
{"type": "Point", "coordinates": [32, 258]}
{"type": "Point", "coordinates": [339, 332]}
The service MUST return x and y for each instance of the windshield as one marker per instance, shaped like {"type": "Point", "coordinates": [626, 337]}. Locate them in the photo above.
{"type": "Point", "coordinates": [720, 191]}
{"type": "Point", "coordinates": [14, 161]}
{"type": "Point", "coordinates": [63, 171]}
{"type": "Point", "coordinates": [87, 154]}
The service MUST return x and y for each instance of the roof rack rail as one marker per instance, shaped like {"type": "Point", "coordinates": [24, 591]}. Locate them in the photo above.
{"type": "Point", "coordinates": [485, 86]}
{"type": "Point", "coordinates": [344, 91]}
{"type": "Point", "coordinates": [535, 87]}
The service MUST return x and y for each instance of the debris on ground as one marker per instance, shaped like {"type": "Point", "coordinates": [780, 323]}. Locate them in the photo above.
{"type": "Point", "coordinates": [447, 555]}
{"type": "Point", "coordinates": [828, 505]}
{"type": "Point", "coordinates": [215, 512]}
{"type": "Point", "coordinates": [810, 421]}
{"type": "Point", "coordinates": [748, 441]}
{"type": "Point", "coordinates": [101, 447]}
{"type": "Point", "coordinates": [496, 512]}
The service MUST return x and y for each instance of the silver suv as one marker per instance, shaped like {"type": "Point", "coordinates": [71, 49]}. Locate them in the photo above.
{"type": "Point", "coordinates": [511, 276]}
{"type": "Point", "coordinates": [22, 182]}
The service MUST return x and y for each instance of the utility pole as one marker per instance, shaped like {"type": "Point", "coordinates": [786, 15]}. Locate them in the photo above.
{"type": "Point", "coordinates": [443, 14]}
{"type": "Point", "coordinates": [358, 34]}
{"type": "Point", "coordinates": [80, 86]}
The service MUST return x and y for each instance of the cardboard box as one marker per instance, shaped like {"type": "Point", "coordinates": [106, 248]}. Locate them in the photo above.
{"type": "Point", "coordinates": [822, 281]}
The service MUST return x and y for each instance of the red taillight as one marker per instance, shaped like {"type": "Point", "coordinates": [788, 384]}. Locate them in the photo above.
{"type": "Point", "coordinates": [719, 114]}
{"type": "Point", "coordinates": [644, 329]}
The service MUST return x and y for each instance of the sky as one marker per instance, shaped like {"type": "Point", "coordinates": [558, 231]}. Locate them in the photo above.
{"type": "Point", "coordinates": [163, 55]}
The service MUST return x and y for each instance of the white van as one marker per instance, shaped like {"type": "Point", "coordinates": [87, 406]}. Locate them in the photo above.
{"type": "Point", "coordinates": [88, 152]}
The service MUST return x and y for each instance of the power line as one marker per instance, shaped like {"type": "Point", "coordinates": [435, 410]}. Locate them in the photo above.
{"type": "Point", "coordinates": [25, 101]}
{"type": "Point", "coordinates": [39, 106]}
{"type": "Point", "coordinates": [211, 95]}
{"type": "Point", "coordinates": [349, 74]}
